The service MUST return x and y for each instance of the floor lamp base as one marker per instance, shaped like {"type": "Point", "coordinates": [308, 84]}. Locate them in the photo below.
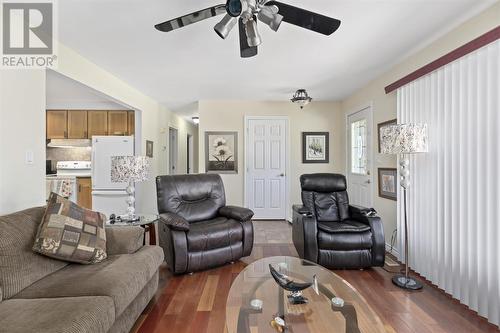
{"type": "Point", "coordinates": [406, 283]}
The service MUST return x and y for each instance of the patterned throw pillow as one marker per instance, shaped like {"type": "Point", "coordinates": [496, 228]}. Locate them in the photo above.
{"type": "Point", "coordinates": [71, 233]}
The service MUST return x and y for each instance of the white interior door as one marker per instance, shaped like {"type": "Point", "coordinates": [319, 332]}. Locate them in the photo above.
{"type": "Point", "coordinates": [266, 157]}
{"type": "Point", "coordinates": [190, 154]}
{"type": "Point", "coordinates": [359, 147]}
{"type": "Point", "coordinates": [172, 151]}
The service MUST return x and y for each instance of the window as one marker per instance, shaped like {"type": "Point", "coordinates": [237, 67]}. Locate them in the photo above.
{"type": "Point", "coordinates": [358, 147]}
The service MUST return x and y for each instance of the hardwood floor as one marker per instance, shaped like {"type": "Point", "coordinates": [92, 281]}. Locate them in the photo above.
{"type": "Point", "coordinates": [196, 303]}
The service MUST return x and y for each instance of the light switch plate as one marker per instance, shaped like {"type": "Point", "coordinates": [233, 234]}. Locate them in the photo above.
{"type": "Point", "coordinates": [29, 157]}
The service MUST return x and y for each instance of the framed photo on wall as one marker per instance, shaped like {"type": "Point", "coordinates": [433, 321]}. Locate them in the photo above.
{"type": "Point", "coordinates": [382, 125]}
{"type": "Point", "coordinates": [315, 147]}
{"type": "Point", "coordinates": [387, 183]}
{"type": "Point", "coordinates": [221, 152]}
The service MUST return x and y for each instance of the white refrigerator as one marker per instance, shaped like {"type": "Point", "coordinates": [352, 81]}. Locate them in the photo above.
{"type": "Point", "coordinates": [108, 197]}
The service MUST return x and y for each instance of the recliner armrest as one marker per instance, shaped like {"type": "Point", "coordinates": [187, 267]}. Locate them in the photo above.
{"type": "Point", "coordinates": [174, 221]}
{"type": "Point", "coordinates": [236, 213]}
{"type": "Point", "coordinates": [360, 210]}
{"type": "Point", "coordinates": [302, 210]}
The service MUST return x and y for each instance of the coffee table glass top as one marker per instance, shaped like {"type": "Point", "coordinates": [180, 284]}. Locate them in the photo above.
{"type": "Point", "coordinates": [144, 219]}
{"type": "Point", "coordinates": [318, 315]}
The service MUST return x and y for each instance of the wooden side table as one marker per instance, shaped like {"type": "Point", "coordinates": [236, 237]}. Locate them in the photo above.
{"type": "Point", "coordinates": [147, 221]}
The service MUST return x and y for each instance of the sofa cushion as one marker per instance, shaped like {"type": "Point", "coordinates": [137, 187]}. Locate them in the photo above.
{"type": "Point", "coordinates": [57, 315]}
{"type": "Point", "coordinates": [71, 233]}
{"type": "Point", "coordinates": [212, 234]}
{"type": "Point", "coordinates": [333, 206]}
{"type": "Point", "coordinates": [19, 265]}
{"type": "Point", "coordinates": [120, 277]}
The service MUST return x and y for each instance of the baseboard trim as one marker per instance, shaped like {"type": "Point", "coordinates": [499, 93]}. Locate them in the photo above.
{"type": "Point", "coordinates": [395, 251]}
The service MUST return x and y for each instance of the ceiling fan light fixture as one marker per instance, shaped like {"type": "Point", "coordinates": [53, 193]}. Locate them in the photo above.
{"type": "Point", "coordinates": [269, 16]}
{"type": "Point", "coordinates": [224, 27]}
{"type": "Point", "coordinates": [253, 37]}
{"type": "Point", "coordinates": [301, 98]}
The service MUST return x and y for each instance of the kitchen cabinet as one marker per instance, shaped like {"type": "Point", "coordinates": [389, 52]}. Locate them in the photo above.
{"type": "Point", "coordinates": [131, 122]}
{"type": "Point", "coordinates": [77, 124]}
{"type": "Point", "coordinates": [57, 121]}
{"type": "Point", "coordinates": [117, 122]}
{"type": "Point", "coordinates": [97, 123]}
{"type": "Point", "coordinates": [84, 197]}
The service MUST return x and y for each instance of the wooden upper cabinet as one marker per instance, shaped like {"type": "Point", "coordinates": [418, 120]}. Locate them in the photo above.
{"type": "Point", "coordinates": [117, 122]}
{"type": "Point", "coordinates": [97, 123]}
{"type": "Point", "coordinates": [77, 124]}
{"type": "Point", "coordinates": [57, 122]}
{"type": "Point", "coordinates": [131, 122]}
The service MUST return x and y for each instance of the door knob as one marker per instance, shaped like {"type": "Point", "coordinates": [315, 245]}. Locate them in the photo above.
{"type": "Point", "coordinates": [282, 175]}
{"type": "Point", "coordinates": [368, 181]}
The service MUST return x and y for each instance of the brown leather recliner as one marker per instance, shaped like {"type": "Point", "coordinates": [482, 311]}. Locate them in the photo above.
{"type": "Point", "coordinates": [196, 229]}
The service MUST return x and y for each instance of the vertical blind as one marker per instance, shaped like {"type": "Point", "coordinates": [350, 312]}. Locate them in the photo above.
{"type": "Point", "coordinates": [454, 197]}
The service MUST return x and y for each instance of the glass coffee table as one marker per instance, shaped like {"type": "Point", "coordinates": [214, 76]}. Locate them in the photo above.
{"type": "Point", "coordinates": [255, 286]}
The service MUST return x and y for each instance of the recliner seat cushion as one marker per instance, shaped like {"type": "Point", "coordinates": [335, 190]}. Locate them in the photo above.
{"type": "Point", "coordinates": [342, 236]}
{"type": "Point", "coordinates": [213, 234]}
{"type": "Point", "coordinates": [120, 277]}
{"type": "Point", "coordinates": [62, 315]}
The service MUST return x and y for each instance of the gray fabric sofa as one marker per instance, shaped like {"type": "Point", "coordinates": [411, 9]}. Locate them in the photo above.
{"type": "Point", "coordinates": [40, 294]}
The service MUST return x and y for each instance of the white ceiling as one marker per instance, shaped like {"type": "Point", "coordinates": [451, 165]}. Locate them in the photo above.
{"type": "Point", "coordinates": [191, 64]}
{"type": "Point", "coordinates": [65, 93]}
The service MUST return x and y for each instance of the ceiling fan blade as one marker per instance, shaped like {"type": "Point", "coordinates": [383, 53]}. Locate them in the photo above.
{"type": "Point", "coordinates": [305, 19]}
{"type": "Point", "coordinates": [191, 18]}
{"type": "Point", "coordinates": [246, 51]}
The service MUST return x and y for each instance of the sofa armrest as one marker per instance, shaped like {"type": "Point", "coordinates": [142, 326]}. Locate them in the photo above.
{"type": "Point", "coordinates": [124, 240]}
{"type": "Point", "coordinates": [361, 214]}
{"type": "Point", "coordinates": [305, 235]}
{"type": "Point", "coordinates": [236, 213]}
{"type": "Point", "coordinates": [174, 221]}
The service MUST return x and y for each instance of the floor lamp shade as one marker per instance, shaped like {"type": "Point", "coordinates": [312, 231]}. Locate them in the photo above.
{"type": "Point", "coordinates": [130, 169]}
{"type": "Point", "coordinates": [404, 139]}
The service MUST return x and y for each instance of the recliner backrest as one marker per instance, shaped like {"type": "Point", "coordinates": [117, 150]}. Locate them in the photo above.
{"type": "Point", "coordinates": [193, 197]}
{"type": "Point", "coordinates": [325, 195]}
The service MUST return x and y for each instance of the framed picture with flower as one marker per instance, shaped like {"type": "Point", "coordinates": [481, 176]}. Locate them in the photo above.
{"type": "Point", "coordinates": [387, 183]}
{"type": "Point", "coordinates": [315, 147]}
{"type": "Point", "coordinates": [221, 152]}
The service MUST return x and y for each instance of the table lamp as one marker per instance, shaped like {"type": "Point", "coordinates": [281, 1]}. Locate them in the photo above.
{"type": "Point", "coordinates": [130, 169]}
{"type": "Point", "coordinates": [404, 139]}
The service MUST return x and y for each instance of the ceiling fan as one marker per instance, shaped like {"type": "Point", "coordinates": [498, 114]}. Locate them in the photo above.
{"type": "Point", "coordinates": [246, 13]}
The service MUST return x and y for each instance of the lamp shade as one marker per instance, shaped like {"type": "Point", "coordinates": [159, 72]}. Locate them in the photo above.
{"type": "Point", "coordinates": [129, 168]}
{"type": "Point", "coordinates": [404, 139]}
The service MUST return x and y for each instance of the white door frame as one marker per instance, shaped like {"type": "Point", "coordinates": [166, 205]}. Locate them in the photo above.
{"type": "Point", "coordinates": [287, 159]}
{"type": "Point", "coordinates": [362, 107]}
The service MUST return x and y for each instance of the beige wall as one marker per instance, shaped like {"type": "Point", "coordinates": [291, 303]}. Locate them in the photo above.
{"type": "Point", "coordinates": [230, 115]}
{"type": "Point", "coordinates": [22, 111]}
{"type": "Point", "coordinates": [384, 105]}
{"type": "Point", "coordinates": [22, 129]}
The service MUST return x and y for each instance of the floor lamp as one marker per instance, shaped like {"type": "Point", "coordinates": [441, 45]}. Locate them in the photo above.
{"type": "Point", "coordinates": [403, 140]}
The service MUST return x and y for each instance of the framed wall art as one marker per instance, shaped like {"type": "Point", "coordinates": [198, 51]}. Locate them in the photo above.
{"type": "Point", "coordinates": [221, 152]}
{"type": "Point", "coordinates": [387, 183]}
{"type": "Point", "coordinates": [315, 147]}
{"type": "Point", "coordinates": [382, 125]}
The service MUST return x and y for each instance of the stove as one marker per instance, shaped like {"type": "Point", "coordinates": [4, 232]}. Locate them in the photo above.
{"type": "Point", "coordinates": [74, 168]}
